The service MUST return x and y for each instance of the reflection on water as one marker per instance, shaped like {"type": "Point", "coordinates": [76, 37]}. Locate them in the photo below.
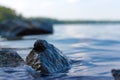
{"type": "Point", "coordinates": [94, 49]}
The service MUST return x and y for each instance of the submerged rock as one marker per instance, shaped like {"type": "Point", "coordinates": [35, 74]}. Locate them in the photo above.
{"type": "Point", "coordinates": [13, 67]}
{"type": "Point", "coordinates": [17, 28]}
{"type": "Point", "coordinates": [46, 58]}
{"type": "Point", "coordinates": [116, 74]}
{"type": "Point", "coordinates": [15, 73]}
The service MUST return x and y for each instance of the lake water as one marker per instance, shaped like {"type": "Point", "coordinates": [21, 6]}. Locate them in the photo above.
{"type": "Point", "coordinates": [93, 47]}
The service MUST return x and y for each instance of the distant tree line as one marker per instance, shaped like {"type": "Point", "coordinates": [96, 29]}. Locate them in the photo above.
{"type": "Point", "coordinates": [8, 13]}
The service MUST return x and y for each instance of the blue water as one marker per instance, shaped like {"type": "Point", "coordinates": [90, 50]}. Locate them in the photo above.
{"type": "Point", "coordinates": [93, 47]}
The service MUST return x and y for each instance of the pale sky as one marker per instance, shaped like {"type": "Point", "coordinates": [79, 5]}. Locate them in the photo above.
{"type": "Point", "coordinates": [66, 9]}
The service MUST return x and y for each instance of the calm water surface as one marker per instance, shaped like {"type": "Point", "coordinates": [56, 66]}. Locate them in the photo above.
{"type": "Point", "coordinates": [94, 49]}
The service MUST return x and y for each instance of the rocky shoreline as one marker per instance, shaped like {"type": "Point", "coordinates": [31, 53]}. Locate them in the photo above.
{"type": "Point", "coordinates": [22, 27]}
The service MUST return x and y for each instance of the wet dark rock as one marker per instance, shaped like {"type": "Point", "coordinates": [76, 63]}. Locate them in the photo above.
{"type": "Point", "coordinates": [43, 59]}
{"type": "Point", "coordinates": [10, 58]}
{"type": "Point", "coordinates": [15, 28]}
{"type": "Point", "coordinates": [116, 74]}
{"type": "Point", "coordinates": [14, 67]}
{"type": "Point", "coordinates": [46, 58]}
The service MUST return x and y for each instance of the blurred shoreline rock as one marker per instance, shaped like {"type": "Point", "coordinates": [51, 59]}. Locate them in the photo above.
{"type": "Point", "coordinates": [22, 27]}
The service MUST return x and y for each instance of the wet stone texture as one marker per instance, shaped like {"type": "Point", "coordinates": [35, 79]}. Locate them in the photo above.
{"type": "Point", "coordinates": [10, 58]}
{"type": "Point", "coordinates": [12, 67]}
{"type": "Point", "coordinates": [116, 74]}
{"type": "Point", "coordinates": [46, 58]}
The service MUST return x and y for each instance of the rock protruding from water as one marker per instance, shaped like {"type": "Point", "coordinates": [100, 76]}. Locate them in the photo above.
{"type": "Point", "coordinates": [116, 74]}
{"type": "Point", "coordinates": [19, 27]}
{"type": "Point", "coordinates": [10, 58]}
{"type": "Point", "coordinates": [46, 58]}
{"type": "Point", "coordinates": [12, 65]}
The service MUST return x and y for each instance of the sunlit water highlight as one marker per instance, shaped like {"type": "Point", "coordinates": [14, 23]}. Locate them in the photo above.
{"type": "Point", "coordinates": [93, 48]}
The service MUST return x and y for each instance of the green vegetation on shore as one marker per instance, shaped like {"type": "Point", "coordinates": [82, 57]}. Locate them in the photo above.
{"type": "Point", "coordinates": [87, 22]}
{"type": "Point", "coordinates": [8, 13]}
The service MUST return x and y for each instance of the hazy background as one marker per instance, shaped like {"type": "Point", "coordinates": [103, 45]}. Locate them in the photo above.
{"type": "Point", "coordinates": [67, 9]}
